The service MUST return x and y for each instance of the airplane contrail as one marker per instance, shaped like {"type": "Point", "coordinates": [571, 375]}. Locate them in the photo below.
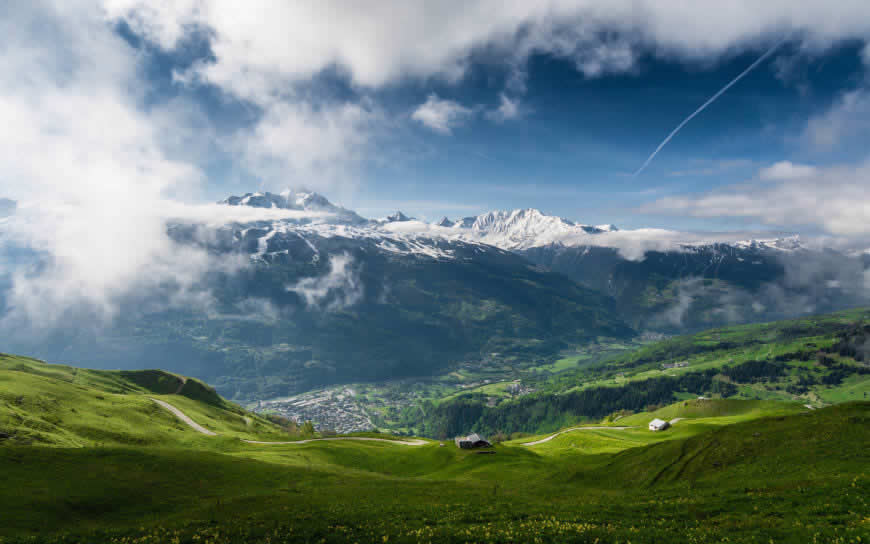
{"type": "Point", "coordinates": [673, 133]}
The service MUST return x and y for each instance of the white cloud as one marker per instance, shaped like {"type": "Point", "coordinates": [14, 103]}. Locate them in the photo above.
{"type": "Point", "coordinates": [441, 115]}
{"type": "Point", "coordinates": [507, 109]}
{"type": "Point", "coordinates": [86, 164]}
{"type": "Point", "coordinates": [786, 170]}
{"type": "Point", "coordinates": [339, 288]}
{"type": "Point", "coordinates": [298, 143]}
{"type": "Point", "coordinates": [271, 53]}
{"type": "Point", "coordinates": [835, 199]}
{"type": "Point", "coordinates": [96, 174]}
{"type": "Point", "coordinates": [259, 44]}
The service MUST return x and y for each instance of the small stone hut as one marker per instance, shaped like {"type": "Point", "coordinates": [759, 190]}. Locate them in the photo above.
{"type": "Point", "coordinates": [471, 441]}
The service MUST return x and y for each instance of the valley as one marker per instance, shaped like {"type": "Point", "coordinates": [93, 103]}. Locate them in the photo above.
{"type": "Point", "coordinates": [747, 470]}
{"type": "Point", "coordinates": [151, 456]}
{"type": "Point", "coordinates": [789, 361]}
{"type": "Point", "coordinates": [395, 405]}
{"type": "Point", "coordinates": [424, 272]}
{"type": "Point", "coordinates": [325, 298]}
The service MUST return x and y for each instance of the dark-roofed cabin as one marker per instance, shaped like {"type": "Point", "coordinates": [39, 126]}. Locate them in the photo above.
{"type": "Point", "coordinates": [471, 441]}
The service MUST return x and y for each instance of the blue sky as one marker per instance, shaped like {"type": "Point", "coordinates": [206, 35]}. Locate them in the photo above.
{"type": "Point", "coordinates": [573, 145]}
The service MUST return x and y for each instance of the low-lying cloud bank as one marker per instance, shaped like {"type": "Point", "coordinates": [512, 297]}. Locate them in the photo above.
{"type": "Point", "coordinates": [340, 288]}
{"type": "Point", "coordinates": [812, 283]}
{"type": "Point", "coordinates": [835, 199]}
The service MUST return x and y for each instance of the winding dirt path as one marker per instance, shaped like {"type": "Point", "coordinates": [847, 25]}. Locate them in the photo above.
{"type": "Point", "coordinates": [183, 417]}
{"type": "Point", "coordinates": [200, 429]}
{"type": "Point", "coordinates": [552, 436]}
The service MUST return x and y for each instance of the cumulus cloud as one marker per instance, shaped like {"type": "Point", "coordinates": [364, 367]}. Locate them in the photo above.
{"type": "Point", "coordinates": [86, 163]}
{"type": "Point", "coordinates": [301, 143]}
{"type": "Point", "coordinates": [786, 170]}
{"type": "Point", "coordinates": [834, 199]}
{"type": "Point", "coordinates": [339, 288]}
{"type": "Point", "coordinates": [507, 109]}
{"type": "Point", "coordinates": [378, 44]}
{"type": "Point", "coordinates": [441, 115]}
{"type": "Point", "coordinates": [269, 53]}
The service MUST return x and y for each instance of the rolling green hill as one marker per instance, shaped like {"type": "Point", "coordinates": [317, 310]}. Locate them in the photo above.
{"type": "Point", "coordinates": [818, 360]}
{"type": "Point", "coordinates": [64, 406]}
{"type": "Point", "coordinates": [90, 457]}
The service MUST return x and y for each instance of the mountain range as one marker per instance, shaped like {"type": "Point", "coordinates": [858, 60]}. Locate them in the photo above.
{"type": "Point", "coordinates": [333, 297]}
{"type": "Point", "coordinates": [661, 280]}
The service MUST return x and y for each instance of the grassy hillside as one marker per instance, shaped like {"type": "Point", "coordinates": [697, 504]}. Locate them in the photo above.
{"type": "Point", "coordinates": [739, 470]}
{"type": "Point", "coordinates": [818, 360]}
{"type": "Point", "coordinates": [57, 405]}
{"type": "Point", "coordinates": [758, 452]}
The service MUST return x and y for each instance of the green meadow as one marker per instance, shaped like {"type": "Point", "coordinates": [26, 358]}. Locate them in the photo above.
{"type": "Point", "coordinates": [89, 457]}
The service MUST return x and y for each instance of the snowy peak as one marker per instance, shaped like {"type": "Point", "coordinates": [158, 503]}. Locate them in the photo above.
{"type": "Point", "coordinates": [307, 200]}
{"type": "Point", "coordinates": [523, 229]}
{"type": "Point", "coordinates": [396, 217]}
{"type": "Point", "coordinates": [292, 199]}
{"type": "Point", "coordinates": [788, 243]}
{"type": "Point", "coordinates": [527, 220]}
{"type": "Point", "coordinates": [445, 223]}
{"type": "Point", "coordinates": [259, 200]}
{"type": "Point", "coordinates": [287, 200]}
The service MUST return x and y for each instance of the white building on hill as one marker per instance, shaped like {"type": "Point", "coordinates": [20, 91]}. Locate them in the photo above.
{"type": "Point", "coordinates": [658, 425]}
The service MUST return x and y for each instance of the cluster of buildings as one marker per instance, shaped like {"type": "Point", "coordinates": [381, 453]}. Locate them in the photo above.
{"type": "Point", "coordinates": [517, 389]}
{"type": "Point", "coordinates": [332, 410]}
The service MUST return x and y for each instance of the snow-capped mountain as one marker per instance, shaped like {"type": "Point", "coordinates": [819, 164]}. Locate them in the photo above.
{"type": "Point", "coordinates": [521, 230]}
{"type": "Point", "coordinates": [291, 199]}
{"type": "Point", "coordinates": [787, 243]}
{"type": "Point", "coordinates": [396, 217]}
{"type": "Point", "coordinates": [646, 271]}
